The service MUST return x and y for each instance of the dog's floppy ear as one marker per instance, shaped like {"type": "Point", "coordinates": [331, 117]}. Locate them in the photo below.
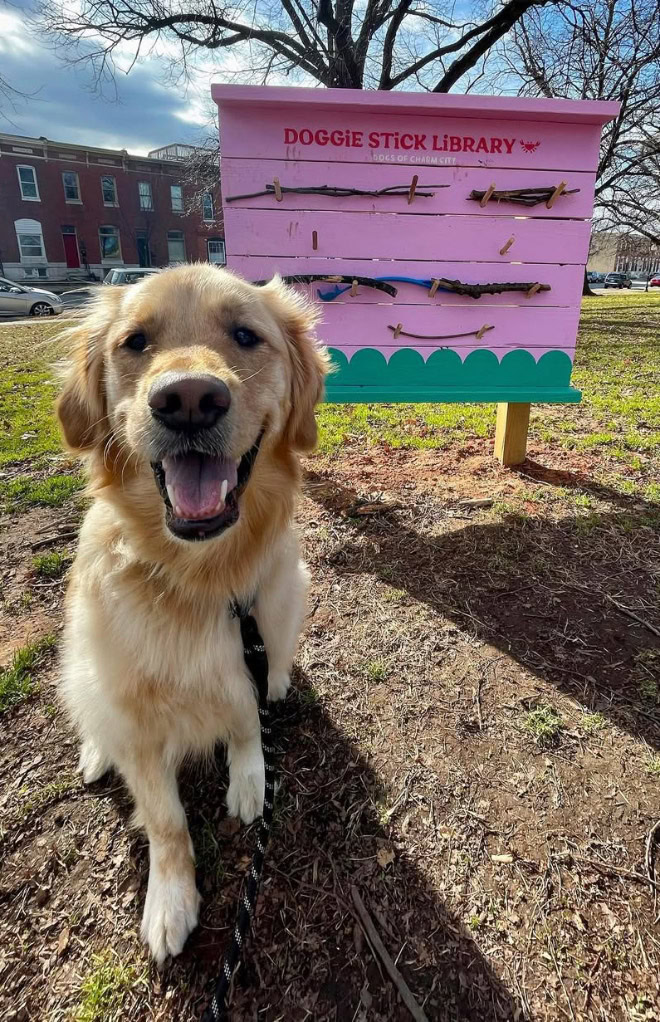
{"type": "Point", "coordinates": [81, 406]}
{"type": "Point", "coordinates": [309, 363]}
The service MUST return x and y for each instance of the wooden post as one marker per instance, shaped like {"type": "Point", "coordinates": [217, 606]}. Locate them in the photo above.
{"type": "Point", "coordinates": [511, 432]}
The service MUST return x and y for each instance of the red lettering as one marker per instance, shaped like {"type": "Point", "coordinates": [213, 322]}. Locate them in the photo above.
{"type": "Point", "coordinates": [290, 136]}
{"type": "Point", "coordinates": [454, 144]}
{"type": "Point", "coordinates": [408, 145]}
{"type": "Point", "coordinates": [482, 146]}
{"type": "Point", "coordinates": [420, 142]}
{"type": "Point", "coordinates": [373, 139]}
{"type": "Point", "coordinates": [468, 144]}
{"type": "Point", "coordinates": [337, 137]}
{"type": "Point", "coordinates": [509, 143]}
{"type": "Point", "coordinates": [496, 145]}
{"type": "Point", "coordinates": [306, 137]}
{"type": "Point", "coordinates": [321, 137]}
{"type": "Point", "coordinates": [386, 136]}
{"type": "Point", "coordinates": [356, 139]}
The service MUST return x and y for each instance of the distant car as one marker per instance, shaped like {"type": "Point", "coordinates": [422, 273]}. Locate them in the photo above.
{"type": "Point", "coordinates": [595, 278]}
{"type": "Point", "coordinates": [19, 300]}
{"type": "Point", "coordinates": [618, 280]}
{"type": "Point", "coordinates": [655, 280]}
{"type": "Point", "coordinates": [129, 274]}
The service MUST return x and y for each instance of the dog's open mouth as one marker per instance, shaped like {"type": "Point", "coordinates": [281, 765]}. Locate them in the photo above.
{"type": "Point", "coordinates": [202, 491]}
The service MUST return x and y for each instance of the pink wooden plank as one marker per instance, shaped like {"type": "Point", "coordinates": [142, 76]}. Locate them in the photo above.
{"type": "Point", "coordinates": [425, 350]}
{"type": "Point", "coordinates": [409, 139]}
{"type": "Point", "coordinates": [565, 282]}
{"type": "Point", "coordinates": [353, 327]}
{"type": "Point", "coordinates": [388, 235]}
{"type": "Point", "coordinates": [471, 105]}
{"type": "Point", "coordinates": [245, 176]}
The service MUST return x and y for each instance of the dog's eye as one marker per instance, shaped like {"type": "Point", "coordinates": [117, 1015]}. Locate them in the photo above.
{"type": "Point", "coordinates": [246, 338]}
{"type": "Point", "coordinates": [136, 342]}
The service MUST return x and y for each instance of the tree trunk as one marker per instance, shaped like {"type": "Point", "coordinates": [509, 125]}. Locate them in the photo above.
{"type": "Point", "coordinates": [586, 289]}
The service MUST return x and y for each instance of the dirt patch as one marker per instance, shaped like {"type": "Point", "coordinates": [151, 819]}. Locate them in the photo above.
{"type": "Point", "coordinates": [453, 603]}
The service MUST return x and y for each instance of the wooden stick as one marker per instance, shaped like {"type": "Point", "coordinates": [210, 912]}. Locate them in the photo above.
{"type": "Point", "coordinates": [278, 189]}
{"type": "Point", "coordinates": [413, 186]}
{"type": "Point", "coordinates": [435, 284]}
{"type": "Point", "coordinates": [397, 329]}
{"type": "Point", "coordinates": [555, 195]}
{"type": "Point", "coordinates": [354, 287]}
{"type": "Point", "coordinates": [634, 616]}
{"type": "Point", "coordinates": [378, 946]}
{"type": "Point", "coordinates": [505, 248]}
{"type": "Point", "coordinates": [315, 240]}
{"type": "Point", "coordinates": [482, 330]}
{"type": "Point", "coordinates": [339, 193]}
{"type": "Point", "coordinates": [487, 195]}
{"type": "Point", "coordinates": [532, 291]}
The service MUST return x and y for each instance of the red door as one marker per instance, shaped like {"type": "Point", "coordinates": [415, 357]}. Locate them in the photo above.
{"type": "Point", "coordinates": [71, 251]}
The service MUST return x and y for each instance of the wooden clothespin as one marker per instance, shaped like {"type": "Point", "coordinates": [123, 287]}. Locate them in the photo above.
{"type": "Point", "coordinates": [532, 291]}
{"type": "Point", "coordinates": [487, 195]}
{"type": "Point", "coordinates": [278, 189]}
{"type": "Point", "coordinates": [435, 284]}
{"type": "Point", "coordinates": [505, 248]}
{"type": "Point", "coordinates": [315, 240]}
{"type": "Point", "coordinates": [397, 329]}
{"type": "Point", "coordinates": [482, 330]}
{"type": "Point", "coordinates": [555, 195]}
{"type": "Point", "coordinates": [354, 287]}
{"type": "Point", "coordinates": [413, 186]}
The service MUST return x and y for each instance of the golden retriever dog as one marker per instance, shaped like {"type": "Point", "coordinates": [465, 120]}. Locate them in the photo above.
{"type": "Point", "coordinates": [189, 396]}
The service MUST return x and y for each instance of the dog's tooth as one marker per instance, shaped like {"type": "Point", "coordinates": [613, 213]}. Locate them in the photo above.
{"type": "Point", "coordinates": [177, 511]}
{"type": "Point", "coordinates": [223, 490]}
{"type": "Point", "coordinates": [238, 461]}
{"type": "Point", "coordinates": [170, 494]}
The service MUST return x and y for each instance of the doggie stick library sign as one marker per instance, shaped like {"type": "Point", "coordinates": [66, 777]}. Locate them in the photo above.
{"type": "Point", "coordinates": [444, 237]}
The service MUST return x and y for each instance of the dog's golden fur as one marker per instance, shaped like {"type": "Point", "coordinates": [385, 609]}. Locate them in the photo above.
{"type": "Point", "coordinates": [152, 661]}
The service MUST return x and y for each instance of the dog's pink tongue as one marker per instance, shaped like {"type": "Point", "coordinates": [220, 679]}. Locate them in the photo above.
{"type": "Point", "coordinates": [198, 484]}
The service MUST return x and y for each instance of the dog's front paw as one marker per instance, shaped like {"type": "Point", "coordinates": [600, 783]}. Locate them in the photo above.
{"type": "Point", "coordinates": [93, 764]}
{"type": "Point", "coordinates": [279, 683]}
{"type": "Point", "coordinates": [245, 794]}
{"type": "Point", "coordinates": [170, 913]}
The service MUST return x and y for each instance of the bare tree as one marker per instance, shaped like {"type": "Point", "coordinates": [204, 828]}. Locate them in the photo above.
{"type": "Point", "coordinates": [382, 44]}
{"type": "Point", "coordinates": [601, 49]}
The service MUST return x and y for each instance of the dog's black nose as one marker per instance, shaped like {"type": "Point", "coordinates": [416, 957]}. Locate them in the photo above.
{"type": "Point", "coordinates": [189, 401]}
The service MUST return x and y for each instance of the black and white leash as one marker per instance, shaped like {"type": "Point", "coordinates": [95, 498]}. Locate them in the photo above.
{"type": "Point", "coordinates": [256, 661]}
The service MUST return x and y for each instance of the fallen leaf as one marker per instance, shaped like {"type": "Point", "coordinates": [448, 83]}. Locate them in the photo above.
{"type": "Point", "coordinates": [63, 940]}
{"type": "Point", "coordinates": [385, 856]}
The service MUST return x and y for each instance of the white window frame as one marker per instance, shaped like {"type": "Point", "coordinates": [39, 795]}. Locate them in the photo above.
{"type": "Point", "coordinates": [115, 203]}
{"type": "Point", "coordinates": [216, 241]}
{"type": "Point", "coordinates": [28, 198]}
{"type": "Point", "coordinates": [205, 218]}
{"type": "Point", "coordinates": [110, 260]}
{"type": "Point", "coordinates": [182, 239]}
{"type": "Point", "coordinates": [73, 202]}
{"type": "Point", "coordinates": [179, 188]}
{"type": "Point", "coordinates": [26, 226]}
{"type": "Point", "coordinates": [149, 208]}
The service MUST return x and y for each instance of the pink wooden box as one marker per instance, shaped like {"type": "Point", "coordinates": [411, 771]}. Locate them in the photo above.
{"type": "Point", "coordinates": [416, 195]}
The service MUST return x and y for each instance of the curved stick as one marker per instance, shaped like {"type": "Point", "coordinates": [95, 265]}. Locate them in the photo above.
{"type": "Point", "coordinates": [337, 278]}
{"type": "Point", "coordinates": [337, 192]}
{"type": "Point", "coordinates": [399, 332]}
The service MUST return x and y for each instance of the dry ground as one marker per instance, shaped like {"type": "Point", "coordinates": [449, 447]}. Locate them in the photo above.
{"type": "Point", "coordinates": [473, 739]}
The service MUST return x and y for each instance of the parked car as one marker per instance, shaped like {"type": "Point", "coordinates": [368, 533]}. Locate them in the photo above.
{"type": "Point", "coordinates": [595, 278]}
{"type": "Point", "coordinates": [19, 300]}
{"type": "Point", "coordinates": [618, 280]}
{"type": "Point", "coordinates": [655, 280]}
{"type": "Point", "coordinates": [129, 274]}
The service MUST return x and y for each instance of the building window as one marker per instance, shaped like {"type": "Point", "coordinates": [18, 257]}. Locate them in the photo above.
{"type": "Point", "coordinates": [146, 198]}
{"type": "Point", "coordinates": [71, 186]}
{"type": "Point", "coordinates": [109, 190]}
{"type": "Point", "coordinates": [176, 247]}
{"type": "Point", "coordinates": [207, 207]}
{"type": "Point", "coordinates": [176, 191]}
{"type": "Point", "coordinates": [216, 250]}
{"type": "Point", "coordinates": [110, 246]}
{"type": "Point", "coordinates": [30, 241]}
{"type": "Point", "coordinates": [27, 179]}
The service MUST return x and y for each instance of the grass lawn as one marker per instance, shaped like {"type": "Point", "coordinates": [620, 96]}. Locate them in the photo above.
{"type": "Point", "coordinates": [473, 739]}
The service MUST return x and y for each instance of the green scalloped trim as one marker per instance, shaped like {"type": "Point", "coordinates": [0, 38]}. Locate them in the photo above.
{"type": "Point", "coordinates": [444, 377]}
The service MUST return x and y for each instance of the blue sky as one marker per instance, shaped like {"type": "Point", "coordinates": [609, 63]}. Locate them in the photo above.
{"type": "Point", "coordinates": [62, 107]}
